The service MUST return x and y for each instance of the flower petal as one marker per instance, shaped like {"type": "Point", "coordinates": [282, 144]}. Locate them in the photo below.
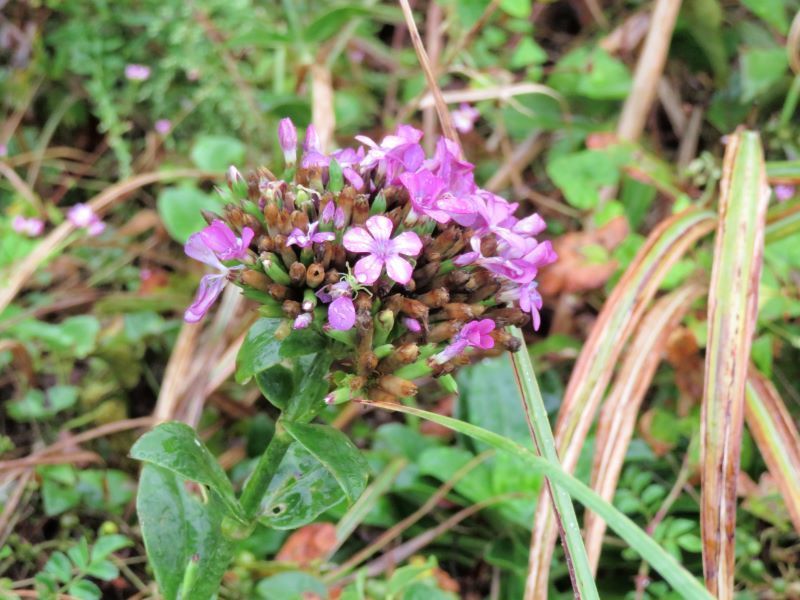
{"type": "Point", "coordinates": [342, 313]}
{"type": "Point", "coordinates": [407, 243]}
{"type": "Point", "coordinates": [368, 269]}
{"type": "Point", "coordinates": [196, 248]}
{"type": "Point", "coordinates": [357, 239]}
{"type": "Point", "coordinates": [211, 287]}
{"type": "Point", "coordinates": [380, 227]}
{"type": "Point", "coordinates": [399, 269]}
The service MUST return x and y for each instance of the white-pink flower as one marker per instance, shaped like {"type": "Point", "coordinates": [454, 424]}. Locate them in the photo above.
{"type": "Point", "coordinates": [32, 227]}
{"type": "Point", "coordinates": [376, 241]}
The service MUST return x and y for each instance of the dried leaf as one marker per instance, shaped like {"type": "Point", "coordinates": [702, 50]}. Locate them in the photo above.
{"type": "Point", "coordinates": [308, 544]}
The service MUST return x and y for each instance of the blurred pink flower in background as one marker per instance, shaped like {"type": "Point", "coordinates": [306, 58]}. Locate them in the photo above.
{"type": "Point", "coordinates": [32, 227]}
{"type": "Point", "coordinates": [163, 126]}
{"type": "Point", "coordinates": [134, 72]}
{"type": "Point", "coordinates": [464, 117]}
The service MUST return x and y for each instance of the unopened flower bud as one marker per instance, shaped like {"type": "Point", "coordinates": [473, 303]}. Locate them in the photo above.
{"type": "Point", "coordinates": [287, 136]}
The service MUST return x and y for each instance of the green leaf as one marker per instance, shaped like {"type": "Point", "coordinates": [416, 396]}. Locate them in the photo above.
{"type": "Point", "coordinates": [58, 496]}
{"type": "Point", "coordinates": [581, 175]}
{"type": "Point", "coordinates": [336, 452]}
{"type": "Point", "coordinates": [217, 152]}
{"type": "Point", "coordinates": [79, 554]}
{"type": "Point", "coordinates": [277, 385]}
{"type": "Point", "coordinates": [521, 9]}
{"type": "Point", "coordinates": [301, 490]}
{"type": "Point", "coordinates": [592, 73]}
{"type": "Point", "coordinates": [179, 208]}
{"type": "Point", "coordinates": [761, 68]}
{"type": "Point", "coordinates": [104, 569]}
{"type": "Point", "coordinates": [310, 385]}
{"type": "Point", "coordinates": [178, 526]}
{"type": "Point", "coordinates": [108, 544]}
{"type": "Point", "coordinates": [83, 589]}
{"type": "Point", "coordinates": [293, 585]}
{"type": "Point", "coordinates": [331, 23]}
{"type": "Point", "coordinates": [302, 342]}
{"type": "Point", "coordinates": [527, 53]}
{"type": "Point", "coordinates": [35, 405]}
{"type": "Point", "coordinates": [176, 447]}
{"type": "Point", "coordinates": [771, 11]}
{"type": "Point", "coordinates": [59, 566]}
{"type": "Point", "coordinates": [259, 351]}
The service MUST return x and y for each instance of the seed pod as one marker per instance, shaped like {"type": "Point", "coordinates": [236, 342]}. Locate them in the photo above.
{"type": "Point", "coordinates": [478, 279]}
{"type": "Point", "coordinates": [339, 258]}
{"type": "Point", "coordinates": [408, 306]}
{"type": "Point", "coordinates": [291, 308]}
{"type": "Point", "coordinates": [435, 298]}
{"type": "Point", "coordinates": [440, 243]}
{"type": "Point", "coordinates": [314, 275]}
{"type": "Point", "coordinates": [401, 356]}
{"type": "Point", "coordinates": [271, 212]}
{"type": "Point", "coordinates": [256, 280]}
{"type": "Point", "coordinates": [299, 220]}
{"type": "Point", "coordinates": [424, 275]}
{"type": "Point", "coordinates": [287, 254]}
{"type": "Point", "coordinates": [485, 292]}
{"type": "Point", "coordinates": [278, 291]}
{"type": "Point", "coordinates": [345, 202]}
{"type": "Point", "coordinates": [508, 316]}
{"type": "Point", "coordinates": [443, 331]}
{"type": "Point", "coordinates": [360, 210]}
{"type": "Point", "coordinates": [234, 215]}
{"type": "Point", "coordinates": [377, 394]}
{"type": "Point", "coordinates": [458, 311]}
{"type": "Point", "coordinates": [397, 386]}
{"type": "Point", "coordinates": [297, 273]}
{"type": "Point", "coordinates": [454, 280]}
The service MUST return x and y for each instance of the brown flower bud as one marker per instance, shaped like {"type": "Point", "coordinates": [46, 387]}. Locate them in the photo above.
{"type": "Point", "coordinates": [400, 356]}
{"type": "Point", "coordinates": [360, 210]}
{"type": "Point", "coordinates": [287, 253]}
{"type": "Point", "coordinates": [266, 244]}
{"type": "Point", "coordinates": [485, 292]}
{"type": "Point", "coordinates": [210, 216]}
{"type": "Point", "coordinates": [443, 331]}
{"type": "Point", "coordinates": [299, 220]}
{"type": "Point", "coordinates": [435, 298]}
{"type": "Point", "coordinates": [478, 279]}
{"type": "Point", "coordinates": [297, 273]}
{"type": "Point", "coordinates": [291, 308]}
{"type": "Point", "coordinates": [454, 280]}
{"type": "Point", "coordinates": [271, 212]}
{"type": "Point", "coordinates": [278, 291]}
{"type": "Point", "coordinates": [397, 386]}
{"type": "Point", "coordinates": [424, 275]}
{"type": "Point", "coordinates": [234, 215]}
{"type": "Point", "coordinates": [377, 394]}
{"type": "Point", "coordinates": [256, 280]}
{"type": "Point", "coordinates": [408, 306]}
{"type": "Point", "coordinates": [508, 316]}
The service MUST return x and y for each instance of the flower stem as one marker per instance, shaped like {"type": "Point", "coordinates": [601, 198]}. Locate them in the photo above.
{"type": "Point", "coordinates": [536, 415]}
{"type": "Point", "coordinates": [265, 470]}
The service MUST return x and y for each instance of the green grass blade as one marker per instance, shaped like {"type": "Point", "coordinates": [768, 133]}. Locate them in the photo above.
{"type": "Point", "coordinates": [732, 308]}
{"type": "Point", "coordinates": [679, 578]}
{"type": "Point", "coordinates": [577, 560]}
{"type": "Point", "coordinates": [595, 366]}
{"type": "Point", "coordinates": [783, 171]}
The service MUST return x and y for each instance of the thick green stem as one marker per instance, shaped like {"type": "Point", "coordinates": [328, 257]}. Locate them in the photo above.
{"type": "Point", "coordinates": [536, 415]}
{"type": "Point", "coordinates": [265, 470]}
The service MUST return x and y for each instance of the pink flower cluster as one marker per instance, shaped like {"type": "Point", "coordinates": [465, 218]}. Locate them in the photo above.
{"type": "Point", "coordinates": [83, 216]}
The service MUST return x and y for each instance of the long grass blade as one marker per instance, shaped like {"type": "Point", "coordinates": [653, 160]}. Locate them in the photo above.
{"type": "Point", "coordinates": [664, 563]}
{"type": "Point", "coordinates": [783, 171]}
{"type": "Point", "coordinates": [620, 409]}
{"type": "Point", "coordinates": [536, 415]}
{"type": "Point", "coordinates": [732, 308]}
{"type": "Point", "coordinates": [594, 368]}
{"type": "Point", "coordinates": [783, 220]}
{"type": "Point", "coordinates": [777, 439]}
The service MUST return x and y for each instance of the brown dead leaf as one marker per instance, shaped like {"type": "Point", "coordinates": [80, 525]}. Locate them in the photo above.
{"type": "Point", "coordinates": [445, 581]}
{"type": "Point", "coordinates": [601, 139]}
{"type": "Point", "coordinates": [573, 271]}
{"type": "Point", "coordinates": [308, 544]}
{"type": "Point", "coordinates": [152, 279]}
{"type": "Point", "coordinates": [684, 355]}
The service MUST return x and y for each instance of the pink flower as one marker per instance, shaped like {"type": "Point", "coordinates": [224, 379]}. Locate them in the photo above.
{"type": "Point", "coordinates": [163, 126]}
{"type": "Point", "coordinates": [401, 148]}
{"type": "Point", "coordinates": [425, 189]}
{"type": "Point", "coordinates": [474, 334]}
{"type": "Point", "coordinates": [334, 213]}
{"type": "Point", "coordinates": [299, 238]}
{"type": "Point", "coordinates": [464, 117]}
{"type": "Point", "coordinates": [82, 215]}
{"type": "Point", "coordinates": [223, 241]}
{"type": "Point", "coordinates": [135, 72]}
{"type": "Point", "coordinates": [783, 192]}
{"type": "Point", "coordinates": [342, 313]}
{"type": "Point", "coordinates": [287, 136]}
{"type": "Point", "coordinates": [211, 285]}
{"type": "Point", "coordinates": [32, 227]}
{"type": "Point", "coordinates": [528, 298]}
{"type": "Point", "coordinates": [381, 250]}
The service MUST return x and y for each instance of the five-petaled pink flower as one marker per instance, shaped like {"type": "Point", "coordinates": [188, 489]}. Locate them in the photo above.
{"type": "Point", "coordinates": [381, 249]}
{"type": "Point", "coordinates": [298, 237]}
{"type": "Point", "coordinates": [475, 334]}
